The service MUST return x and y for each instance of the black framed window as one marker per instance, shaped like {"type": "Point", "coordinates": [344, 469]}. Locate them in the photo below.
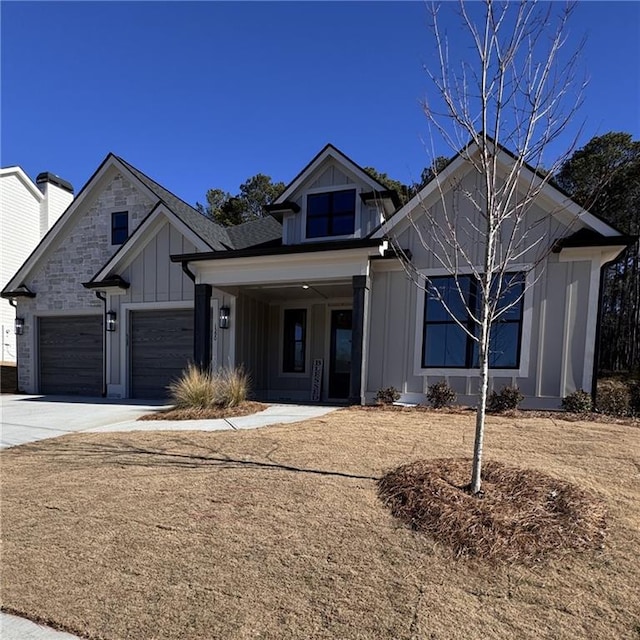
{"type": "Point", "coordinates": [295, 340]}
{"type": "Point", "coordinates": [119, 227]}
{"type": "Point", "coordinates": [446, 344]}
{"type": "Point", "coordinates": [331, 214]}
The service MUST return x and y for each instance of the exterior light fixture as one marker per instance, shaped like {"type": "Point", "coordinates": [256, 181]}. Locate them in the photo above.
{"type": "Point", "coordinates": [19, 326]}
{"type": "Point", "coordinates": [111, 320]}
{"type": "Point", "coordinates": [305, 286]}
{"type": "Point", "coordinates": [223, 320]}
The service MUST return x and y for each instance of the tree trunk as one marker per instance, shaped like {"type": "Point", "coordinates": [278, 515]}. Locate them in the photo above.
{"type": "Point", "coordinates": [481, 411]}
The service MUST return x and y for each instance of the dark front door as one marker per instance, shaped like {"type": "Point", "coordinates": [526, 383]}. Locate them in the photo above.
{"type": "Point", "coordinates": [340, 358]}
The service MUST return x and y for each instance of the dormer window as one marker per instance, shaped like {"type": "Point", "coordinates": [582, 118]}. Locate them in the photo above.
{"type": "Point", "coordinates": [331, 214]}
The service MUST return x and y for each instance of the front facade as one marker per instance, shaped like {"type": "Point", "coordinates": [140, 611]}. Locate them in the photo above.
{"type": "Point", "coordinates": [312, 300]}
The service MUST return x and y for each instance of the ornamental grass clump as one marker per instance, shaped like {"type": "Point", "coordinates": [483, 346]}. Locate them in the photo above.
{"type": "Point", "coordinates": [203, 389]}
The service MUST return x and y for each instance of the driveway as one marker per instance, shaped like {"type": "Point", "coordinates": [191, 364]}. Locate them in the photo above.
{"type": "Point", "coordinates": [30, 418]}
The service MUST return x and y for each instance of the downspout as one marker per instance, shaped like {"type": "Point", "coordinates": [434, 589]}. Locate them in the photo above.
{"type": "Point", "coordinates": [188, 272]}
{"type": "Point", "coordinates": [102, 297]}
{"type": "Point", "coordinates": [596, 357]}
{"type": "Point", "coordinates": [13, 302]}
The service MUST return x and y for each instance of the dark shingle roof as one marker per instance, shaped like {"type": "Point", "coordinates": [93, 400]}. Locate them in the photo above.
{"type": "Point", "coordinates": [213, 234]}
{"type": "Point", "coordinates": [255, 233]}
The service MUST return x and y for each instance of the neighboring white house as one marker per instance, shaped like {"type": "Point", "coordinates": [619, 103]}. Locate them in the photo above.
{"type": "Point", "coordinates": [27, 212]}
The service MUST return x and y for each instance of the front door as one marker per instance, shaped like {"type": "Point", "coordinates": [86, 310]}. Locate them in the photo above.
{"type": "Point", "coordinates": [340, 357]}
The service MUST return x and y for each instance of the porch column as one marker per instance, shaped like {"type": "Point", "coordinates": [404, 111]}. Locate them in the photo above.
{"type": "Point", "coordinates": [360, 292]}
{"type": "Point", "coordinates": [202, 326]}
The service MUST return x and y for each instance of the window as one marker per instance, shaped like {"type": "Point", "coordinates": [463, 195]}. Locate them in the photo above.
{"type": "Point", "coordinates": [295, 338]}
{"type": "Point", "coordinates": [446, 344]}
{"type": "Point", "coordinates": [331, 214]}
{"type": "Point", "coordinates": [119, 227]}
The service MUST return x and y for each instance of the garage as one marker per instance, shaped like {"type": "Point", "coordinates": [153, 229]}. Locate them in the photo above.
{"type": "Point", "coordinates": [70, 355]}
{"type": "Point", "coordinates": [161, 347]}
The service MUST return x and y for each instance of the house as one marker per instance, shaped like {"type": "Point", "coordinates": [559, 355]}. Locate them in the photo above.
{"type": "Point", "coordinates": [27, 211]}
{"type": "Point", "coordinates": [132, 283]}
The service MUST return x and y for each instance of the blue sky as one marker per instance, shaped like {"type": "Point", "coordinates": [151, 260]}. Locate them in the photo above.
{"type": "Point", "coordinates": [206, 94]}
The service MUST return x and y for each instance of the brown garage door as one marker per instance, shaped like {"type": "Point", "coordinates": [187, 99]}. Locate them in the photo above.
{"type": "Point", "coordinates": [70, 354]}
{"type": "Point", "coordinates": [161, 347]}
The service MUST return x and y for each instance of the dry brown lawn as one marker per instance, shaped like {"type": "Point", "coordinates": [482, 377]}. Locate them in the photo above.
{"type": "Point", "coordinates": [279, 533]}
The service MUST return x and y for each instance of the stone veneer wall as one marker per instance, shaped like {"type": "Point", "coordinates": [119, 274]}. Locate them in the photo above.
{"type": "Point", "coordinates": [75, 258]}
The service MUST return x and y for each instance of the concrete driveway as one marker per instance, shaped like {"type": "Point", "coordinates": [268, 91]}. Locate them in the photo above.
{"type": "Point", "coordinates": [26, 419]}
{"type": "Point", "coordinates": [29, 418]}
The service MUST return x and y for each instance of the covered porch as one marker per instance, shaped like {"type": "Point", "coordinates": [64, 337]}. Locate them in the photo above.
{"type": "Point", "coordinates": [296, 317]}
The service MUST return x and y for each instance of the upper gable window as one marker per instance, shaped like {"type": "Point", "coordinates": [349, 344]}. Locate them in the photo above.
{"type": "Point", "coordinates": [119, 227]}
{"type": "Point", "coordinates": [331, 214]}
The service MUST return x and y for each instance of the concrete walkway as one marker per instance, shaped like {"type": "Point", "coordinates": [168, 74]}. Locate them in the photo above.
{"type": "Point", "coordinates": [29, 418]}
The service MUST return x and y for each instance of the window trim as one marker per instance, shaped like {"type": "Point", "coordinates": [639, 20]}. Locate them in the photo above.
{"type": "Point", "coordinates": [114, 228]}
{"type": "Point", "coordinates": [525, 328]}
{"type": "Point", "coordinates": [357, 216]}
{"type": "Point", "coordinates": [294, 374]}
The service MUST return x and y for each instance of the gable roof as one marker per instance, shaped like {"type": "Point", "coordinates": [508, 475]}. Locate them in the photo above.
{"type": "Point", "coordinates": [213, 234]}
{"type": "Point", "coordinates": [560, 199]}
{"type": "Point", "coordinates": [328, 151]}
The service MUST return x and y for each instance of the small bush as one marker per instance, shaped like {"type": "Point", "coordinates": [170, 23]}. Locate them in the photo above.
{"type": "Point", "coordinates": [634, 396]}
{"type": "Point", "coordinates": [198, 389]}
{"type": "Point", "coordinates": [440, 395]}
{"type": "Point", "coordinates": [577, 402]}
{"type": "Point", "coordinates": [507, 399]}
{"type": "Point", "coordinates": [613, 398]}
{"type": "Point", "coordinates": [387, 396]}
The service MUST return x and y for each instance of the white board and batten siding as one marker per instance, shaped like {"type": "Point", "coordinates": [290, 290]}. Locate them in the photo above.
{"type": "Point", "coordinates": [556, 333]}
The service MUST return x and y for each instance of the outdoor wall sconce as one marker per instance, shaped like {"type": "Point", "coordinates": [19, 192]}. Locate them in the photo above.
{"type": "Point", "coordinates": [223, 321]}
{"type": "Point", "coordinates": [19, 326]}
{"type": "Point", "coordinates": [111, 320]}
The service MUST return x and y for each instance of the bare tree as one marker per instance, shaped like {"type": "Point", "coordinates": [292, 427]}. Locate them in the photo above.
{"type": "Point", "coordinates": [515, 89]}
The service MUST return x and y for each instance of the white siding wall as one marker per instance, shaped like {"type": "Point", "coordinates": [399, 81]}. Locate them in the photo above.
{"type": "Point", "coordinates": [19, 234]}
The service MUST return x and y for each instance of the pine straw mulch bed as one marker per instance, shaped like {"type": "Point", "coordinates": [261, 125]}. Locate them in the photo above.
{"type": "Point", "coordinates": [213, 413]}
{"type": "Point", "coordinates": [521, 515]}
{"type": "Point", "coordinates": [563, 416]}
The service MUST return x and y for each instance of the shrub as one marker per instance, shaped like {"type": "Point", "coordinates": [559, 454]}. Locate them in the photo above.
{"type": "Point", "coordinates": [613, 398]}
{"type": "Point", "coordinates": [507, 399]}
{"type": "Point", "coordinates": [634, 398]}
{"type": "Point", "coordinates": [578, 402]}
{"type": "Point", "coordinates": [387, 396]}
{"type": "Point", "coordinates": [440, 395]}
{"type": "Point", "coordinates": [198, 389]}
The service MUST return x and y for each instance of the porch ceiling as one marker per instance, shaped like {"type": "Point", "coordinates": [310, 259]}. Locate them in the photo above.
{"type": "Point", "coordinates": [316, 292]}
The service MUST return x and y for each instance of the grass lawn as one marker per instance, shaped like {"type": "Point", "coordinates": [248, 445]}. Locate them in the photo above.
{"type": "Point", "coordinates": [279, 533]}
